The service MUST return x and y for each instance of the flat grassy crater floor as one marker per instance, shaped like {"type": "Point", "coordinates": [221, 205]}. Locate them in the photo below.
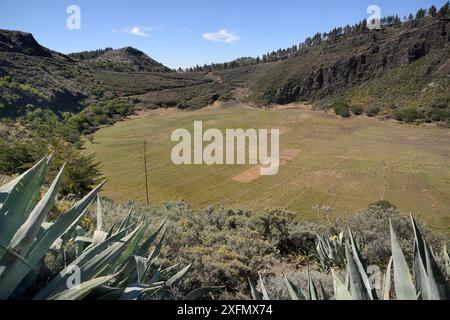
{"type": "Point", "coordinates": [331, 167]}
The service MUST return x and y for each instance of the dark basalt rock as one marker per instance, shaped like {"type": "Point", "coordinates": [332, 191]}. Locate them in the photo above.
{"type": "Point", "coordinates": [21, 42]}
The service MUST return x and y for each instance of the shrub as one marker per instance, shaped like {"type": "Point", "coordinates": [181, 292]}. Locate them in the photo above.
{"type": "Point", "coordinates": [357, 110]}
{"type": "Point", "coordinates": [372, 111]}
{"type": "Point", "coordinates": [409, 114]}
{"type": "Point", "coordinates": [341, 108]}
{"type": "Point", "coordinates": [383, 204]}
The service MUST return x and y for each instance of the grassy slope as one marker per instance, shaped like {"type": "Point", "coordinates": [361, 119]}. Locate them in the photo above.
{"type": "Point", "coordinates": [343, 163]}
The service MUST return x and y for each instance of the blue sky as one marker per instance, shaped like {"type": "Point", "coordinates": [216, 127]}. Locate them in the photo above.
{"type": "Point", "coordinates": [188, 32]}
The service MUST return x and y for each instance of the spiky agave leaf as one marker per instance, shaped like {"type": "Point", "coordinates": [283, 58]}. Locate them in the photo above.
{"type": "Point", "coordinates": [265, 296]}
{"type": "Point", "coordinates": [58, 283]}
{"type": "Point", "coordinates": [312, 289]}
{"type": "Point", "coordinates": [175, 280]}
{"type": "Point", "coordinates": [19, 197]}
{"type": "Point", "coordinates": [447, 261]}
{"type": "Point", "coordinates": [387, 281]}
{"type": "Point", "coordinates": [14, 274]}
{"type": "Point", "coordinates": [82, 290]}
{"type": "Point", "coordinates": [255, 294]}
{"type": "Point", "coordinates": [358, 289]}
{"type": "Point", "coordinates": [27, 232]}
{"type": "Point", "coordinates": [294, 292]}
{"type": "Point", "coordinates": [404, 286]}
{"type": "Point", "coordinates": [323, 293]}
{"type": "Point", "coordinates": [340, 289]}
{"type": "Point", "coordinates": [133, 291]}
{"type": "Point", "coordinates": [359, 262]}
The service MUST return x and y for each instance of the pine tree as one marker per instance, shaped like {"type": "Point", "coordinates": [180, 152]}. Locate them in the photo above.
{"type": "Point", "coordinates": [420, 14]}
{"type": "Point", "coordinates": [444, 11]}
{"type": "Point", "coordinates": [432, 11]}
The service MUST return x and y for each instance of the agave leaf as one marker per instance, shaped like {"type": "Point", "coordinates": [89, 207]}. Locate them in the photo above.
{"type": "Point", "coordinates": [19, 257]}
{"type": "Point", "coordinates": [111, 230]}
{"type": "Point", "coordinates": [357, 258]}
{"type": "Point", "coordinates": [133, 246]}
{"type": "Point", "coordinates": [126, 221]}
{"type": "Point", "coordinates": [387, 281]}
{"type": "Point", "coordinates": [422, 281]}
{"type": "Point", "coordinates": [201, 292]}
{"type": "Point", "coordinates": [82, 239]}
{"type": "Point", "coordinates": [447, 261]}
{"type": "Point", "coordinates": [357, 286]}
{"type": "Point", "coordinates": [438, 288]}
{"type": "Point", "coordinates": [141, 267]}
{"type": "Point", "coordinates": [82, 290]}
{"type": "Point", "coordinates": [340, 289]}
{"type": "Point", "coordinates": [89, 254]}
{"type": "Point", "coordinates": [155, 276]}
{"type": "Point", "coordinates": [98, 237]}
{"type": "Point", "coordinates": [404, 286]}
{"type": "Point", "coordinates": [312, 289]}
{"type": "Point", "coordinates": [12, 276]}
{"type": "Point", "coordinates": [293, 290]}
{"type": "Point", "coordinates": [29, 230]}
{"type": "Point", "coordinates": [129, 273]}
{"type": "Point", "coordinates": [265, 296]}
{"type": "Point", "coordinates": [134, 291]}
{"type": "Point", "coordinates": [99, 214]}
{"type": "Point", "coordinates": [418, 239]}
{"type": "Point", "coordinates": [255, 294]}
{"type": "Point", "coordinates": [104, 262]}
{"type": "Point", "coordinates": [323, 292]}
{"type": "Point", "coordinates": [23, 192]}
{"type": "Point", "coordinates": [64, 223]}
{"type": "Point", "coordinates": [155, 253]}
{"type": "Point", "coordinates": [142, 251]}
{"type": "Point", "coordinates": [175, 280]}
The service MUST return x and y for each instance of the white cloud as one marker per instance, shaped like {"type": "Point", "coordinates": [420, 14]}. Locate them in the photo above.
{"type": "Point", "coordinates": [139, 31]}
{"type": "Point", "coordinates": [221, 36]}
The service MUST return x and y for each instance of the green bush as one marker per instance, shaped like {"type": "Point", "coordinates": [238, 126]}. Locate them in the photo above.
{"type": "Point", "coordinates": [357, 110]}
{"type": "Point", "coordinates": [372, 111]}
{"type": "Point", "coordinates": [409, 114]}
{"type": "Point", "coordinates": [15, 157]}
{"type": "Point", "coordinates": [341, 108]}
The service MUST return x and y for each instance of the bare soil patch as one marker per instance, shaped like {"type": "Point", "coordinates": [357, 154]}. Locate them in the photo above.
{"type": "Point", "coordinates": [254, 173]}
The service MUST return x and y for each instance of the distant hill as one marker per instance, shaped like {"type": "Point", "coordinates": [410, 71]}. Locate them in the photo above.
{"type": "Point", "coordinates": [34, 76]}
{"type": "Point", "coordinates": [126, 59]}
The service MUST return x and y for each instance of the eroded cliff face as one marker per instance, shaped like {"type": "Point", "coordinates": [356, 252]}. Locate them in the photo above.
{"type": "Point", "coordinates": [21, 42]}
{"type": "Point", "coordinates": [357, 59]}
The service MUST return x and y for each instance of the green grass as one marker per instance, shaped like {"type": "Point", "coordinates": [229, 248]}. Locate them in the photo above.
{"type": "Point", "coordinates": [343, 163]}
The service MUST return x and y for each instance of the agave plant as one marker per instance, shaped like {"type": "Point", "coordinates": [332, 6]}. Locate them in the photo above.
{"type": "Point", "coordinates": [294, 291]}
{"type": "Point", "coordinates": [447, 261]}
{"type": "Point", "coordinates": [330, 251]}
{"type": "Point", "coordinates": [429, 281]}
{"type": "Point", "coordinates": [112, 264]}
